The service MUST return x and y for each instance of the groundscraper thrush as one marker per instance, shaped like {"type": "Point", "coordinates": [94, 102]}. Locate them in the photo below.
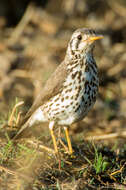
{"type": "Point", "coordinates": [71, 91]}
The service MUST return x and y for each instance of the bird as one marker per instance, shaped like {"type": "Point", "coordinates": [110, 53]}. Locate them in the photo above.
{"type": "Point", "coordinates": [71, 91]}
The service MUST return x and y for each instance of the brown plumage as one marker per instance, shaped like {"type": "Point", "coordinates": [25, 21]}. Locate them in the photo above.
{"type": "Point", "coordinates": [52, 87]}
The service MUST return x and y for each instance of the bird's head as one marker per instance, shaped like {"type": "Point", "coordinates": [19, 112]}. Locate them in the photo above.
{"type": "Point", "coordinates": [83, 40]}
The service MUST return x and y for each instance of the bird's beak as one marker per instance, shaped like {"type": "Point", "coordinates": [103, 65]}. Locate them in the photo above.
{"type": "Point", "coordinates": [93, 38]}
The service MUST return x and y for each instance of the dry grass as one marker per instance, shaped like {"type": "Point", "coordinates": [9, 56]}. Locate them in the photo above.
{"type": "Point", "coordinates": [30, 164]}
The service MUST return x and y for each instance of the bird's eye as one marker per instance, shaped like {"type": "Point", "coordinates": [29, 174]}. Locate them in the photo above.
{"type": "Point", "coordinates": [79, 37]}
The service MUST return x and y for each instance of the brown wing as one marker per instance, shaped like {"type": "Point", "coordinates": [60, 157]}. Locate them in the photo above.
{"type": "Point", "coordinates": [51, 88]}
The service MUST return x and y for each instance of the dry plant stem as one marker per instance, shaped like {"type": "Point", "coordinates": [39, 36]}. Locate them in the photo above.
{"type": "Point", "coordinates": [107, 136]}
{"type": "Point", "coordinates": [62, 143]}
{"type": "Point", "coordinates": [38, 145]}
{"type": "Point", "coordinates": [18, 118]}
{"type": "Point", "coordinates": [21, 25]}
{"type": "Point", "coordinates": [10, 122]}
{"type": "Point", "coordinates": [118, 171]}
{"type": "Point", "coordinates": [119, 186]}
{"type": "Point", "coordinates": [11, 172]}
{"type": "Point", "coordinates": [7, 170]}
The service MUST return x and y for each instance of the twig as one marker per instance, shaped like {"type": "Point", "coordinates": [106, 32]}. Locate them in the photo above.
{"type": "Point", "coordinates": [11, 172]}
{"type": "Point", "coordinates": [107, 136]}
{"type": "Point", "coordinates": [13, 111]}
{"type": "Point", "coordinates": [36, 144]}
{"type": "Point", "coordinates": [119, 186]}
{"type": "Point", "coordinates": [7, 170]}
{"type": "Point", "coordinates": [18, 118]}
{"type": "Point", "coordinates": [118, 171]}
{"type": "Point", "coordinates": [65, 147]}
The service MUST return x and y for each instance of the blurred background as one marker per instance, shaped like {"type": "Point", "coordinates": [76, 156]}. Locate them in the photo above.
{"type": "Point", "coordinates": [33, 41]}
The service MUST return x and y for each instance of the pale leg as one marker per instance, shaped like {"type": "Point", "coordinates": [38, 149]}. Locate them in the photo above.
{"type": "Point", "coordinates": [68, 140]}
{"type": "Point", "coordinates": [51, 126]}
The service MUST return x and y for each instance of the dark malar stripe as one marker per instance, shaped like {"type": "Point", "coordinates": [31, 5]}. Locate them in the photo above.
{"type": "Point", "coordinates": [72, 52]}
{"type": "Point", "coordinates": [77, 44]}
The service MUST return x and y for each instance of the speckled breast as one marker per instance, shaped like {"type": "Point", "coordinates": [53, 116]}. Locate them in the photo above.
{"type": "Point", "coordinates": [78, 94]}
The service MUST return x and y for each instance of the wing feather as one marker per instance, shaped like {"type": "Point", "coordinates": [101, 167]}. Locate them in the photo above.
{"type": "Point", "coordinates": [52, 87]}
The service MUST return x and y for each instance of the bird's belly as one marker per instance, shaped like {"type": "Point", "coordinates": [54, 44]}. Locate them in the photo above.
{"type": "Point", "coordinates": [70, 107]}
{"type": "Point", "coordinates": [79, 110]}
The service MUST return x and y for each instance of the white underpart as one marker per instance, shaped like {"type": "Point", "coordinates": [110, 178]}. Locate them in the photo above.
{"type": "Point", "coordinates": [37, 117]}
